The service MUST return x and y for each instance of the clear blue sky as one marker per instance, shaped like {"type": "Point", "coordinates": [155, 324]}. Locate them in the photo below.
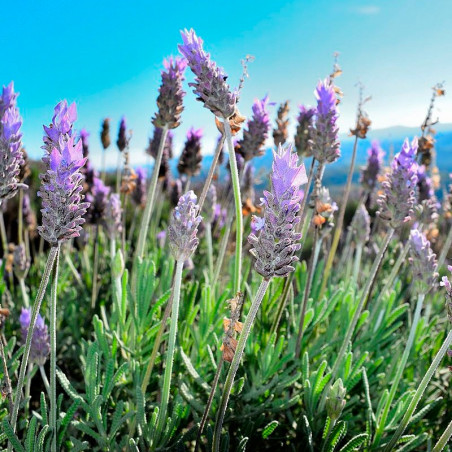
{"type": "Point", "coordinates": [107, 57]}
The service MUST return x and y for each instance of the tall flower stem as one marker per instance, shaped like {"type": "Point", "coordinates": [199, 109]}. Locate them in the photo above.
{"type": "Point", "coordinates": [238, 207]}
{"type": "Point", "coordinates": [34, 315]}
{"type": "Point", "coordinates": [146, 218]}
{"type": "Point", "coordinates": [45, 380]}
{"type": "Point", "coordinates": [209, 402]}
{"type": "Point", "coordinates": [209, 250]}
{"type": "Point", "coordinates": [171, 347]}
{"type": "Point", "coordinates": [419, 393]}
{"type": "Point", "coordinates": [312, 264]}
{"type": "Point", "coordinates": [213, 165]}
{"type": "Point", "coordinates": [118, 172]}
{"type": "Point", "coordinates": [222, 252]}
{"type": "Point", "coordinates": [441, 444]}
{"type": "Point", "coordinates": [400, 368]}
{"type": "Point", "coordinates": [340, 221]}
{"type": "Point", "coordinates": [446, 248]}
{"type": "Point", "coordinates": [236, 362]}
{"type": "Point", "coordinates": [23, 290]}
{"type": "Point", "coordinates": [53, 401]}
{"type": "Point", "coordinates": [96, 267]}
{"type": "Point", "coordinates": [3, 233]}
{"type": "Point", "coordinates": [357, 262]}
{"type": "Point", "coordinates": [9, 390]}
{"type": "Point", "coordinates": [357, 314]}
{"type": "Point", "coordinates": [20, 218]}
{"type": "Point", "coordinates": [300, 228]}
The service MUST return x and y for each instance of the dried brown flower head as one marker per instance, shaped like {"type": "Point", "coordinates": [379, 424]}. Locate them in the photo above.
{"type": "Point", "coordinates": [235, 122]}
{"type": "Point", "coordinates": [280, 133]}
{"type": "Point", "coordinates": [232, 326]}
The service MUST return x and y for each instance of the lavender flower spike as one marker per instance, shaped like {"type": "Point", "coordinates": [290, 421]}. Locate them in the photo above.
{"type": "Point", "coordinates": [183, 227]}
{"type": "Point", "coordinates": [62, 206]}
{"type": "Point", "coordinates": [122, 140]}
{"type": "Point", "coordinates": [97, 199]}
{"type": "Point", "coordinates": [276, 244]}
{"type": "Point", "coordinates": [210, 84]}
{"type": "Point", "coordinates": [445, 282]}
{"type": "Point", "coordinates": [112, 217]}
{"type": "Point", "coordinates": [304, 127]}
{"type": "Point", "coordinates": [139, 193]}
{"type": "Point", "coordinates": [11, 154]}
{"type": "Point", "coordinates": [370, 173]}
{"type": "Point", "coordinates": [40, 343]}
{"type": "Point", "coordinates": [398, 198]}
{"type": "Point", "coordinates": [191, 157]}
{"type": "Point", "coordinates": [324, 142]}
{"type": "Point", "coordinates": [256, 134]}
{"type": "Point", "coordinates": [423, 262]}
{"type": "Point", "coordinates": [171, 94]}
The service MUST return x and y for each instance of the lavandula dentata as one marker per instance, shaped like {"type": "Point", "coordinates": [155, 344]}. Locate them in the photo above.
{"type": "Point", "coordinates": [280, 133]}
{"type": "Point", "coordinates": [212, 89]}
{"type": "Point", "coordinates": [274, 250]}
{"type": "Point", "coordinates": [191, 157]}
{"type": "Point", "coordinates": [302, 139]}
{"type": "Point", "coordinates": [170, 106]}
{"type": "Point", "coordinates": [105, 141]}
{"type": "Point", "coordinates": [424, 266]}
{"type": "Point", "coordinates": [183, 241]}
{"type": "Point", "coordinates": [122, 143]}
{"type": "Point", "coordinates": [62, 216]}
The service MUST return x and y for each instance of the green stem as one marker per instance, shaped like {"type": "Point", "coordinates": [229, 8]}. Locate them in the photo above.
{"type": "Point", "coordinates": [419, 392]}
{"type": "Point", "coordinates": [400, 368]}
{"type": "Point", "coordinates": [3, 232]}
{"type": "Point", "coordinates": [118, 173]}
{"type": "Point", "coordinates": [213, 165]}
{"type": "Point", "coordinates": [171, 347]}
{"type": "Point", "coordinates": [312, 264]}
{"type": "Point", "coordinates": [146, 218]}
{"type": "Point", "coordinates": [96, 268]}
{"type": "Point", "coordinates": [20, 220]}
{"type": "Point", "coordinates": [439, 446]}
{"type": "Point", "coordinates": [238, 208]}
{"type": "Point", "coordinates": [45, 380]}
{"type": "Point", "coordinates": [53, 307]}
{"type": "Point", "coordinates": [209, 250]}
{"type": "Point", "coordinates": [34, 315]}
{"type": "Point", "coordinates": [339, 221]}
{"type": "Point", "coordinates": [9, 390]}
{"type": "Point", "coordinates": [445, 249]}
{"type": "Point", "coordinates": [23, 290]}
{"type": "Point", "coordinates": [357, 262]}
{"type": "Point", "coordinates": [356, 315]}
{"type": "Point", "coordinates": [222, 252]}
{"type": "Point", "coordinates": [236, 362]}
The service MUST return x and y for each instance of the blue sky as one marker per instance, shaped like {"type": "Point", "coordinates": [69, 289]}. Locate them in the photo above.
{"type": "Point", "coordinates": [107, 57]}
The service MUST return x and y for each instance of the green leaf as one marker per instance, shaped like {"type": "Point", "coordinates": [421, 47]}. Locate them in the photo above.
{"type": "Point", "coordinates": [336, 435]}
{"type": "Point", "coordinates": [31, 433]}
{"type": "Point", "coordinates": [12, 437]}
{"type": "Point", "coordinates": [355, 443]}
{"type": "Point", "coordinates": [269, 429]}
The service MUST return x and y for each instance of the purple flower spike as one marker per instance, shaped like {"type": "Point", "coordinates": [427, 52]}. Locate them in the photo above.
{"type": "Point", "coordinates": [276, 244]}
{"type": "Point", "coordinates": [304, 126]}
{"type": "Point", "coordinates": [370, 173]}
{"type": "Point", "coordinates": [62, 206]}
{"type": "Point", "coordinates": [171, 94]}
{"type": "Point", "coordinates": [98, 199]}
{"type": "Point", "coordinates": [61, 128]}
{"type": "Point", "coordinates": [40, 342]}
{"type": "Point", "coordinates": [397, 199]}
{"type": "Point", "coordinates": [11, 154]}
{"type": "Point", "coordinates": [424, 185]}
{"type": "Point", "coordinates": [140, 191]}
{"type": "Point", "coordinates": [210, 84]}
{"type": "Point", "coordinates": [113, 216]}
{"type": "Point", "coordinates": [122, 140]}
{"type": "Point", "coordinates": [324, 142]}
{"type": "Point", "coordinates": [84, 139]}
{"type": "Point", "coordinates": [183, 227]}
{"type": "Point", "coordinates": [423, 262]}
{"type": "Point", "coordinates": [256, 134]}
{"type": "Point", "coordinates": [191, 157]}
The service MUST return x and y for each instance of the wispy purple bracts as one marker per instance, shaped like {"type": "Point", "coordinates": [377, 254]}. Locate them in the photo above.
{"type": "Point", "coordinates": [445, 282]}
{"type": "Point", "coordinates": [256, 133]}
{"type": "Point", "coordinates": [276, 244]}
{"type": "Point", "coordinates": [122, 140]}
{"type": "Point", "coordinates": [191, 157]}
{"type": "Point", "coordinates": [324, 132]}
{"type": "Point", "coordinates": [171, 95]}
{"type": "Point", "coordinates": [370, 172]}
{"type": "Point", "coordinates": [98, 199]}
{"type": "Point", "coordinates": [398, 195]}
{"type": "Point", "coordinates": [62, 206]}
{"type": "Point", "coordinates": [11, 155]}
{"type": "Point", "coordinates": [423, 262]}
{"type": "Point", "coordinates": [183, 227]}
{"type": "Point", "coordinates": [140, 190]}
{"type": "Point", "coordinates": [112, 216]}
{"type": "Point", "coordinates": [304, 127]}
{"type": "Point", "coordinates": [40, 342]}
{"type": "Point", "coordinates": [61, 128]}
{"type": "Point", "coordinates": [210, 84]}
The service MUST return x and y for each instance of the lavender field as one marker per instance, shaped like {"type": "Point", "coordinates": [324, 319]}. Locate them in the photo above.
{"type": "Point", "coordinates": [291, 291]}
